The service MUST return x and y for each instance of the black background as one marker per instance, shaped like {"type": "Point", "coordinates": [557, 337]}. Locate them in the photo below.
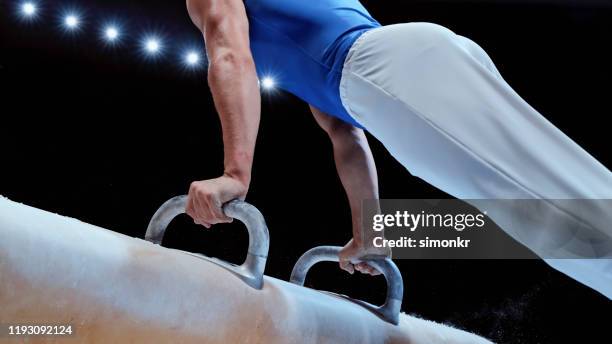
{"type": "Point", "coordinates": [105, 135]}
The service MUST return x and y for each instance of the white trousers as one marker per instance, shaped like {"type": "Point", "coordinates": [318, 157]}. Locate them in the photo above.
{"type": "Point", "coordinates": [439, 105]}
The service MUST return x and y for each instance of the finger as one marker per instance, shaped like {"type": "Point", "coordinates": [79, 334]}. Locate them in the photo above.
{"type": "Point", "coordinates": [189, 208]}
{"type": "Point", "coordinates": [374, 271]}
{"type": "Point", "coordinates": [210, 209]}
{"type": "Point", "coordinates": [347, 266]}
{"type": "Point", "coordinates": [210, 205]}
{"type": "Point", "coordinates": [202, 223]}
{"type": "Point", "coordinates": [217, 212]}
{"type": "Point", "coordinates": [202, 215]}
{"type": "Point", "coordinates": [367, 269]}
{"type": "Point", "coordinates": [197, 216]}
{"type": "Point", "coordinates": [362, 267]}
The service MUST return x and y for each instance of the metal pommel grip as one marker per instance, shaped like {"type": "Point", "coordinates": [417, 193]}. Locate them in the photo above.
{"type": "Point", "coordinates": [251, 271]}
{"type": "Point", "coordinates": [389, 311]}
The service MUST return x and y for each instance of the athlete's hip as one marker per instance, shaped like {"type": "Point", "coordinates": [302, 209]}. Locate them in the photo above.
{"type": "Point", "coordinates": [392, 46]}
{"type": "Point", "coordinates": [417, 62]}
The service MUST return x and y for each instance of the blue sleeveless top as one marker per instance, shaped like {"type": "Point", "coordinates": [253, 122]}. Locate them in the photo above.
{"type": "Point", "coordinates": [302, 44]}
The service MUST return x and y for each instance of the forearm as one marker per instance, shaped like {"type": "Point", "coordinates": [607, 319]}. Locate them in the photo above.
{"type": "Point", "coordinates": [357, 172]}
{"type": "Point", "coordinates": [233, 83]}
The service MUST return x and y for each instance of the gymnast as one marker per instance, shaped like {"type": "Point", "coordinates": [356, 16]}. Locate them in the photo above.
{"type": "Point", "coordinates": [435, 100]}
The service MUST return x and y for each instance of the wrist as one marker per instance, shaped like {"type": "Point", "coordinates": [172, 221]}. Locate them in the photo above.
{"type": "Point", "coordinates": [244, 177]}
{"type": "Point", "coordinates": [366, 241]}
{"type": "Point", "coordinates": [238, 166]}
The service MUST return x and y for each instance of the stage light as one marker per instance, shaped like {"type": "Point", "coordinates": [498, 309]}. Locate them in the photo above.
{"type": "Point", "coordinates": [152, 45]}
{"type": "Point", "coordinates": [267, 83]}
{"type": "Point", "coordinates": [111, 33]}
{"type": "Point", "coordinates": [192, 58]}
{"type": "Point", "coordinates": [28, 9]}
{"type": "Point", "coordinates": [71, 21]}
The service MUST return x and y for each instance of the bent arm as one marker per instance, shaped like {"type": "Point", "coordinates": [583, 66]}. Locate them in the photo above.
{"type": "Point", "coordinates": [232, 79]}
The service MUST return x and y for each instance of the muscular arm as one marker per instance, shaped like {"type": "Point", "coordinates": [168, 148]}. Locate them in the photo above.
{"type": "Point", "coordinates": [234, 86]}
{"type": "Point", "coordinates": [357, 172]}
